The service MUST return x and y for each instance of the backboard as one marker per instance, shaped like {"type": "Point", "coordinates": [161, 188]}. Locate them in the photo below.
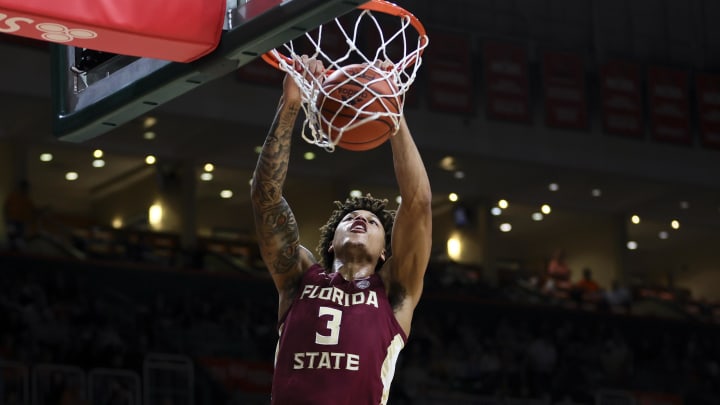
{"type": "Point", "coordinates": [94, 92]}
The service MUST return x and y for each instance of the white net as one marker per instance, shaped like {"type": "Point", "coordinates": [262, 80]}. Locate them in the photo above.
{"type": "Point", "coordinates": [357, 44]}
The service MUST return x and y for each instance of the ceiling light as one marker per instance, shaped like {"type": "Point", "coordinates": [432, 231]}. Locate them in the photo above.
{"type": "Point", "coordinates": [505, 227]}
{"type": "Point", "coordinates": [226, 194]}
{"type": "Point", "coordinates": [46, 157]}
{"type": "Point", "coordinates": [684, 205]}
{"type": "Point", "coordinates": [97, 153]}
{"type": "Point", "coordinates": [355, 193]}
{"type": "Point", "coordinates": [117, 223]}
{"type": "Point", "coordinates": [537, 216]}
{"type": "Point", "coordinates": [98, 163]}
{"type": "Point", "coordinates": [309, 155]}
{"type": "Point", "coordinates": [545, 209]}
{"type": "Point", "coordinates": [150, 159]}
{"type": "Point", "coordinates": [149, 135]}
{"type": "Point", "coordinates": [635, 219]}
{"type": "Point", "coordinates": [553, 187]}
{"type": "Point", "coordinates": [258, 149]}
{"type": "Point", "coordinates": [502, 204]}
{"type": "Point", "coordinates": [596, 192]}
{"type": "Point", "coordinates": [398, 199]}
{"type": "Point", "coordinates": [209, 167]}
{"type": "Point", "coordinates": [448, 163]}
{"type": "Point", "coordinates": [496, 211]}
{"type": "Point", "coordinates": [663, 235]}
{"type": "Point", "coordinates": [206, 176]}
{"type": "Point", "coordinates": [675, 224]}
{"type": "Point", "coordinates": [459, 174]}
{"type": "Point", "coordinates": [71, 176]}
{"type": "Point", "coordinates": [453, 197]}
{"type": "Point", "coordinates": [632, 245]}
{"type": "Point", "coordinates": [149, 122]}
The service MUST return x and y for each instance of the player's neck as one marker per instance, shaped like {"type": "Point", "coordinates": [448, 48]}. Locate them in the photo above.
{"type": "Point", "coordinates": [353, 271]}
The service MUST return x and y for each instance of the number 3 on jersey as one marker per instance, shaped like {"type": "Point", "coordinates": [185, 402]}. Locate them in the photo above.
{"type": "Point", "coordinates": [333, 325]}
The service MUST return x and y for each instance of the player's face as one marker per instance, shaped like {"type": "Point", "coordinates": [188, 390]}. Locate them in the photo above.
{"type": "Point", "coordinates": [363, 229]}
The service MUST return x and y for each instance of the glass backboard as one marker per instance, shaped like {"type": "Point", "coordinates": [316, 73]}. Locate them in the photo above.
{"type": "Point", "coordinates": [94, 92]}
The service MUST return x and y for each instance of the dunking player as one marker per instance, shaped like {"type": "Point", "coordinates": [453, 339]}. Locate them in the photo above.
{"type": "Point", "coordinates": [343, 321]}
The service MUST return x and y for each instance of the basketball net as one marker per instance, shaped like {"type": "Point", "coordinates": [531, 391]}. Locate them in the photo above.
{"type": "Point", "coordinates": [400, 43]}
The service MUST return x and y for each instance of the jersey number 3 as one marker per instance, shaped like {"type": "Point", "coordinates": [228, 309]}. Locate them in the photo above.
{"type": "Point", "coordinates": [333, 325]}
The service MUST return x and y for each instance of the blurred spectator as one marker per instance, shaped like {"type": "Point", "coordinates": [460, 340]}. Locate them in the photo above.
{"type": "Point", "coordinates": [20, 215]}
{"type": "Point", "coordinates": [618, 298]}
{"type": "Point", "coordinates": [557, 281]}
{"type": "Point", "coordinates": [586, 289]}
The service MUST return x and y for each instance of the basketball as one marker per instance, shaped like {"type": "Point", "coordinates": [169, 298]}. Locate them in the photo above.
{"type": "Point", "coordinates": [358, 103]}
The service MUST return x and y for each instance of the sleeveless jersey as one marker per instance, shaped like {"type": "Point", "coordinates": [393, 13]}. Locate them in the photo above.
{"type": "Point", "coordinates": [339, 343]}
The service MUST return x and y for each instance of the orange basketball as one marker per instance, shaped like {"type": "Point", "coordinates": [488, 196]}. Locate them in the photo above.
{"type": "Point", "coordinates": [353, 94]}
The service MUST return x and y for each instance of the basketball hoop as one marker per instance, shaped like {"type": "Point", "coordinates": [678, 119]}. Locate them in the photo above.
{"type": "Point", "coordinates": [400, 42]}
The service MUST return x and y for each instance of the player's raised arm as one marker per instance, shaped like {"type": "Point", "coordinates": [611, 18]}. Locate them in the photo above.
{"type": "Point", "coordinates": [412, 231]}
{"type": "Point", "coordinates": [275, 224]}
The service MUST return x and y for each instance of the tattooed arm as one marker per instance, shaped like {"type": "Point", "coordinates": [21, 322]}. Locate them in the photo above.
{"type": "Point", "coordinates": [275, 224]}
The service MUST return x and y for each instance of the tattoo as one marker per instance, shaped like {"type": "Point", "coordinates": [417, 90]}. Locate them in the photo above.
{"type": "Point", "coordinates": [275, 222]}
{"type": "Point", "coordinates": [279, 234]}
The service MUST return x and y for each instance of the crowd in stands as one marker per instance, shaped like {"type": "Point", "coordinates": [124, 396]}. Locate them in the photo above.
{"type": "Point", "coordinates": [482, 343]}
{"type": "Point", "coordinates": [118, 296]}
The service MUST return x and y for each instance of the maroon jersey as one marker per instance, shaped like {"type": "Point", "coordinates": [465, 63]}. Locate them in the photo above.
{"type": "Point", "coordinates": [338, 344]}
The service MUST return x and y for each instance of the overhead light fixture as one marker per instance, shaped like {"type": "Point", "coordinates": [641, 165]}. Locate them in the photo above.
{"type": "Point", "coordinates": [309, 155]}
{"type": "Point", "coordinates": [209, 167]}
{"type": "Point", "coordinates": [496, 211]}
{"type": "Point", "coordinates": [453, 197]}
{"type": "Point", "coordinates": [553, 187]}
{"type": "Point", "coordinates": [632, 245]}
{"type": "Point", "coordinates": [448, 163]}
{"type": "Point", "coordinates": [97, 153]}
{"type": "Point", "coordinates": [206, 176]}
{"type": "Point", "coordinates": [503, 204]}
{"type": "Point", "coordinates": [596, 192]}
{"type": "Point", "coordinates": [150, 159]}
{"type": "Point", "coordinates": [675, 224]}
{"type": "Point", "coordinates": [635, 219]}
{"type": "Point", "coordinates": [505, 227]}
{"type": "Point", "coordinates": [663, 235]}
{"type": "Point", "coordinates": [71, 176]}
{"type": "Point", "coordinates": [149, 122]}
{"type": "Point", "coordinates": [355, 193]}
{"type": "Point", "coordinates": [537, 216]}
{"type": "Point", "coordinates": [98, 163]}
{"type": "Point", "coordinates": [459, 174]}
{"type": "Point", "coordinates": [46, 157]}
{"type": "Point", "coordinates": [545, 209]}
{"type": "Point", "coordinates": [226, 194]}
{"type": "Point", "coordinates": [684, 205]}
{"type": "Point", "coordinates": [149, 135]}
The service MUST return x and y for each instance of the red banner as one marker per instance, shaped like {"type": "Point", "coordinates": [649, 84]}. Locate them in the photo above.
{"type": "Point", "coordinates": [449, 73]}
{"type": "Point", "coordinates": [621, 99]}
{"type": "Point", "coordinates": [564, 84]}
{"type": "Point", "coordinates": [506, 77]}
{"type": "Point", "coordinates": [708, 99]}
{"type": "Point", "coordinates": [180, 31]}
{"type": "Point", "coordinates": [669, 106]}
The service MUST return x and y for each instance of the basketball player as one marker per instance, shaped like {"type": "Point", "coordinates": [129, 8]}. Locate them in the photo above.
{"type": "Point", "coordinates": [341, 321]}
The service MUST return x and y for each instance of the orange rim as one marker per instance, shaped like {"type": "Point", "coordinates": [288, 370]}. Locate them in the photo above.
{"type": "Point", "coordinates": [373, 5]}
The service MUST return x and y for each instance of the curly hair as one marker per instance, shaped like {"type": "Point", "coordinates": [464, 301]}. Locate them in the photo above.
{"type": "Point", "coordinates": [367, 203]}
